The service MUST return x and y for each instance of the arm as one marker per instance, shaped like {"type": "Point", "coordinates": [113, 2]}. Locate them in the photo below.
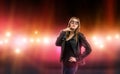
{"type": "Point", "coordinates": [60, 38]}
{"type": "Point", "coordinates": [86, 45]}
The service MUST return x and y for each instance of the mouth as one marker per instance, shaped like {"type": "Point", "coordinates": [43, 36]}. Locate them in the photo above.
{"type": "Point", "coordinates": [71, 29]}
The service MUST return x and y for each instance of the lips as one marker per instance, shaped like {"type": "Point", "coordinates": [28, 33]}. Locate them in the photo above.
{"type": "Point", "coordinates": [73, 25]}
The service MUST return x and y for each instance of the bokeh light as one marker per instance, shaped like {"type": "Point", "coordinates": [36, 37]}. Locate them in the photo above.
{"type": "Point", "coordinates": [109, 38]}
{"type": "Point", "coordinates": [17, 50]}
{"type": "Point", "coordinates": [117, 36]}
{"type": "Point", "coordinates": [46, 40]}
{"type": "Point", "coordinates": [8, 34]}
{"type": "Point", "coordinates": [32, 40]}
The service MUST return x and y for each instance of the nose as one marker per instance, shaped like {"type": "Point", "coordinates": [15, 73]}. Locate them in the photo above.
{"type": "Point", "coordinates": [73, 23]}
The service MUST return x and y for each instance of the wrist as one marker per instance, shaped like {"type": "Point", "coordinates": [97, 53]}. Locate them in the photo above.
{"type": "Point", "coordinates": [64, 30]}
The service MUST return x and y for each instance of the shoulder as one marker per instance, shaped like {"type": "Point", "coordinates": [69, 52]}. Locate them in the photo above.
{"type": "Point", "coordinates": [62, 32]}
{"type": "Point", "coordinates": [81, 35]}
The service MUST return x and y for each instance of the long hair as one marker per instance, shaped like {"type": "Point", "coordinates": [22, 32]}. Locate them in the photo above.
{"type": "Point", "coordinates": [76, 31]}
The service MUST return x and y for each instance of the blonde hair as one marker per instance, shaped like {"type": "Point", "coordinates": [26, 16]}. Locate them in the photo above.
{"type": "Point", "coordinates": [77, 30]}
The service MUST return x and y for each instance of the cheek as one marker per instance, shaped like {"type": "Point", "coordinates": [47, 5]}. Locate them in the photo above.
{"type": "Point", "coordinates": [76, 26]}
{"type": "Point", "coordinates": [71, 25]}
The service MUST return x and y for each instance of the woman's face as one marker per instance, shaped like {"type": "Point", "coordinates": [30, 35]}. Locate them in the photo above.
{"type": "Point", "coordinates": [74, 23]}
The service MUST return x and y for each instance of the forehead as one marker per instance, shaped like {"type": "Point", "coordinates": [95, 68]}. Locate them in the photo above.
{"type": "Point", "coordinates": [74, 19]}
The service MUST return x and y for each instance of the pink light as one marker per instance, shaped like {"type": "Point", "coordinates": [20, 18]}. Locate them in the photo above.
{"type": "Point", "coordinates": [24, 40]}
{"type": "Point", "coordinates": [20, 41]}
{"type": "Point", "coordinates": [58, 50]}
{"type": "Point", "coordinates": [1, 42]}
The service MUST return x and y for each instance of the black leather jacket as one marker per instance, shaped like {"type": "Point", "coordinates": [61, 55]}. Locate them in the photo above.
{"type": "Point", "coordinates": [81, 42]}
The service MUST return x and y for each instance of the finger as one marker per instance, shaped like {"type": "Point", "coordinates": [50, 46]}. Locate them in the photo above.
{"type": "Point", "coordinates": [71, 57]}
{"type": "Point", "coordinates": [70, 60]}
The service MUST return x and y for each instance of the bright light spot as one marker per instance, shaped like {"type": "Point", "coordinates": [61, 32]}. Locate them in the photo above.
{"type": "Point", "coordinates": [94, 38]}
{"type": "Point", "coordinates": [31, 40]}
{"type": "Point", "coordinates": [109, 38]}
{"type": "Point", "coordinates": [17, 50]}
{"type": "Point", "coordinates": [1, 42]}
{"type": "Point", "coordinates": [36, 32]}
{"type": "Point", "coordinates": [117, 36]}
{"type": "Point", "coordinates": [46, 40]}
{"type": "Point", "coordinates": [6, 41]}
{"type": "Point", "coordinates": [96, 43]}
{"type": "Point", "coordinates": [37, 40]}
{"type": "Point", "coordinates": [99, 43]}
{"type": "Point", "coordinates": [8, 34]}
{"type": "Point", "coordinates": [101, 46]}
{"type": "Point", "coordinates": [25, 40]}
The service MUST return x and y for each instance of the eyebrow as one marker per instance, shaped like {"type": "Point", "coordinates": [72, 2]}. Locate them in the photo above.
{"type": "Point", "coordinates": [74, 21]}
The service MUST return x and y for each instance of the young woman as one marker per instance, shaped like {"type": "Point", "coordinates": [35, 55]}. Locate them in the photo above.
{"type": "Point", "coordinates": [71, 40]}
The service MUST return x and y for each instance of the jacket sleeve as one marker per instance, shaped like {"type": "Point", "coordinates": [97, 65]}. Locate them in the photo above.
{"type": "Point", "coordinates": [86, 45]}
{"type": "Point", "coordinates": [60, 38]}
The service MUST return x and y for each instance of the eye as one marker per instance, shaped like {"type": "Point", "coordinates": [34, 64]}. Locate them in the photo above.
{"type": "Point", "coordinates": [77, 23]}
{"type": "Point", "coordinates": [72, 22]}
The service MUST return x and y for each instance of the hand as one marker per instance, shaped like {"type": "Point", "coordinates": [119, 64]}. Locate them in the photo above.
{"type": "Point", "coordinates": [67, 29]}
{"type": "Point", "coordinates": [72, 59]}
